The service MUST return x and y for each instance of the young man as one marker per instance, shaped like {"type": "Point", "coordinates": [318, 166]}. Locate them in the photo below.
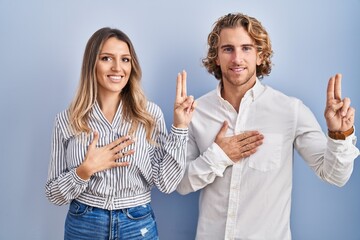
{"type": "Point", "coordinates": [250, 197]}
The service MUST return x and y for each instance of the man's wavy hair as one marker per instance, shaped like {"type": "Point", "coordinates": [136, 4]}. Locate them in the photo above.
{"type": "Point", "coordinates": [255, 30]}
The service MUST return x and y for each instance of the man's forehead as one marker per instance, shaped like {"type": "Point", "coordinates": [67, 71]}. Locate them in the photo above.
{"type": "Point", "coordinates": [235, 35]}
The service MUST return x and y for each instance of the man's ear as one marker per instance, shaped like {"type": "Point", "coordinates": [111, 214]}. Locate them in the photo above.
{"type": "Point", "coordinates": [259, 59]}
{"type": "Point", "coordinates": [217, 61]}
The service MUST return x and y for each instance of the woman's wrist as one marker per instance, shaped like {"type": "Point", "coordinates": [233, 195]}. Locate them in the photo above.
{"type": "Point", "coordinates": [83, 172]}
{"type": "Point", "coordinates": [183, 126]}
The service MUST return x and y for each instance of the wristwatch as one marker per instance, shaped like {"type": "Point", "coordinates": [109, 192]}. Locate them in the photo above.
{"type": "Point", "coordinates": [340, 135]}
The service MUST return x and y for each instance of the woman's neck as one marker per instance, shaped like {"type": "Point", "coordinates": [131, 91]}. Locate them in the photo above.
{"type": "Point", "coordinates": [109, 105]}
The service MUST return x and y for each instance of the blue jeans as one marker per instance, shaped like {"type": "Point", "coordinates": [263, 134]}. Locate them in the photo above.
{"type": "Point", "coordinates": [84, 222]}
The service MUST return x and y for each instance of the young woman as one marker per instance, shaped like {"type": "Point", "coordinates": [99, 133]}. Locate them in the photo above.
{"type": "Point", "coordinates": [112, 146]}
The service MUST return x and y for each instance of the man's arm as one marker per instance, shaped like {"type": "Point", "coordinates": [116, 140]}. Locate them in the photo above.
{"type": "Point", "coordinates": [332, 159]}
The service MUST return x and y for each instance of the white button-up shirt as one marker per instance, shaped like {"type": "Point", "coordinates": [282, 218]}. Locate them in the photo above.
{"type": "Point", "coordinates": [251, 199]}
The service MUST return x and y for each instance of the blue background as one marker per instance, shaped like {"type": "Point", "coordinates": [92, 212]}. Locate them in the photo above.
{"type": "Point", "coordinates": [42, 44]}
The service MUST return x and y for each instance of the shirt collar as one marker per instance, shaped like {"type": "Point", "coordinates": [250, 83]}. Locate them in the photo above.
{"type": "Point", "coordinates": [98, 114]}
{"type": "Point", "coordinates": [253, 92]}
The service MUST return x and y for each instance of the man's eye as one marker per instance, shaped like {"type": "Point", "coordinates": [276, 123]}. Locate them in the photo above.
{"type": "Point", "coordinates": [227, 49]}
{"type": "Point", "coordinates": [246, 48]}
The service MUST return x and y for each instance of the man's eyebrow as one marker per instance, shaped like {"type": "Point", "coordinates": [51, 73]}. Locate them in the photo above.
{"type": "Point", "coordinates": [226, 46]}
{"type": "Point", "coordinates": [242, 45]}
{"type": "Point", "coordinates": [248, 45]}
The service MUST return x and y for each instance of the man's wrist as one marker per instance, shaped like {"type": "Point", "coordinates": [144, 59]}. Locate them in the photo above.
{"type": "Point", "coordinates": [341, 135]}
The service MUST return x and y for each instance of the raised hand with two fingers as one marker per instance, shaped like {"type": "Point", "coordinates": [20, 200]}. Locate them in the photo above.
{"type": "Point", "coordinates": [339, 114]}
{"type": "Point", "coordinates": [184, 105]}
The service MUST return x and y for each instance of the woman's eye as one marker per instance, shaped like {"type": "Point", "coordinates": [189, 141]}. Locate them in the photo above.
{"type": "Point", "coordinates": [227, 49]}
{"type": "Point", "coordinates": [126, 59]}
{"type": "Point", "coordinates": [106, 59]}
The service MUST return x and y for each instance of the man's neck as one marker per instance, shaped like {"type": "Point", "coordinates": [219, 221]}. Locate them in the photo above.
{"type": "Point", "coordinates": [234, 95]}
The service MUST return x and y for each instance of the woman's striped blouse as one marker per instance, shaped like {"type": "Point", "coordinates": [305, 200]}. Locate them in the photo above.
{"type": "Point", "coordinates": [161, 163]}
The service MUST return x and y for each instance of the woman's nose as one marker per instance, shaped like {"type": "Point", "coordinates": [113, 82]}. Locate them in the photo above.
{"type": "Point", "coordinates": [116, 66]}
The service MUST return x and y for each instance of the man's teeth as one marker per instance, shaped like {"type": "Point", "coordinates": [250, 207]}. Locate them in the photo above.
{"type": "Point", "coordinates": [238, 69]}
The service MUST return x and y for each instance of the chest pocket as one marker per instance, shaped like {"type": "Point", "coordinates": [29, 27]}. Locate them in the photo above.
{"type": "Point", "coordinates": [268, 155]}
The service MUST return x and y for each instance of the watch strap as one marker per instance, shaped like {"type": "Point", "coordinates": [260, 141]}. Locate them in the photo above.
{"type": "Point", "coordinates": [340, 135]}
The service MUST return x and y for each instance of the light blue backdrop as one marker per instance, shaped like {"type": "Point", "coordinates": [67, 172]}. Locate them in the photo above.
{"type": "Point", "coordinates": [41, 48]}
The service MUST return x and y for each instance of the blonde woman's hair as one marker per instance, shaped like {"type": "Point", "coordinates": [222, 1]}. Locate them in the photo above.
{"type": "Point", "coordinates": [255, 30]}
{"type": "Point", "coordinates": [133, 99]}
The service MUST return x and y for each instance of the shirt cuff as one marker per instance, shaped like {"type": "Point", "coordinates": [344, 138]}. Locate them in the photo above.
{"type": "Point", "coordinates": [217, 159]}
{"type": "Point", "coordinates": [341, 145]}
{"type": "Point", "coordinates": [179, 131]}
{"type": "Point", "coordinates": [77, 179]}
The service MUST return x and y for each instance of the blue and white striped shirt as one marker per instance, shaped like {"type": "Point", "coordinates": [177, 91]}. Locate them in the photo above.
{"type": "Point", "coordinates": [161, 164]}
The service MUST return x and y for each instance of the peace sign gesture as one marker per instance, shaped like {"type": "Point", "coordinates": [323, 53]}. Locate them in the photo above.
{"type": "Point", "coordinates": [338, 113]}
{"type": "Point", "coordinates": [184, 105]}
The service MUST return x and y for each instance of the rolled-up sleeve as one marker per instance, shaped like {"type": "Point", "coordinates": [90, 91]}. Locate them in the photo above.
{"type": "Point", "coordinates": [332, 160]}
{"type": "Point", "coordinates": [202, 169]}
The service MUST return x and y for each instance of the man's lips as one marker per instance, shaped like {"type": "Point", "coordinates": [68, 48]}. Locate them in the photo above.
{"type": "Point", "coordinates": [237, 69]}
